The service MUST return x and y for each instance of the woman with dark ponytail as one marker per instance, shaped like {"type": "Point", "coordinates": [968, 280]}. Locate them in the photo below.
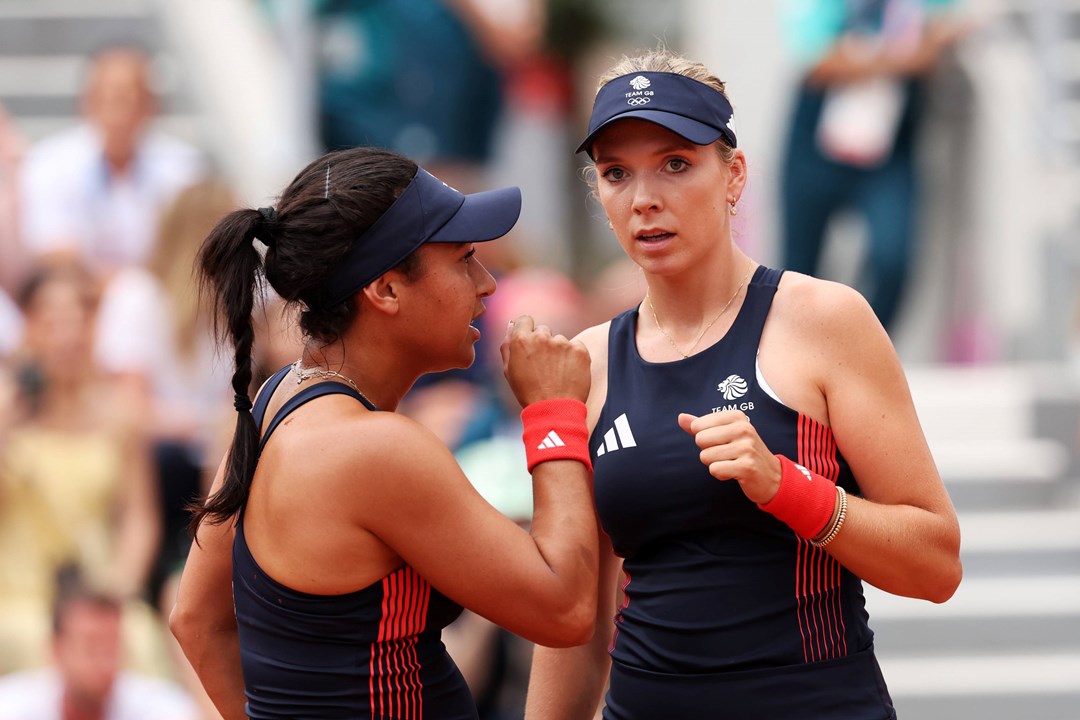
{"type": "Point", "coordinates": [340, 537]}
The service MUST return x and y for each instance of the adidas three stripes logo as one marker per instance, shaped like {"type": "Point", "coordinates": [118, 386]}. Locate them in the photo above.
{"type": "Point", "coordinates": [552, 440]}
{"type": "Point", "coordinates": [619, 436]}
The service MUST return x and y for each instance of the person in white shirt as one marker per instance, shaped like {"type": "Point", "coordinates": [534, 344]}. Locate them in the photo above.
{"type": "Point", "coordinates": [95, 190]}
{"type": "Point", "coordinates": [86, 681]}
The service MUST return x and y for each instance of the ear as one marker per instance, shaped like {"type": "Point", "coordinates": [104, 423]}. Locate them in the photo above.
{"type": "Point", "coordinates": [737, 172]}
{"type": "Point", "coordinates": [383, 293]}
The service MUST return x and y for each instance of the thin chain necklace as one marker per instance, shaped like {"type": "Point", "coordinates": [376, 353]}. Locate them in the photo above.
{"type": "Point", "coordinates": [302, 373]}
{"type": "Point", "coordinates": [749, 269]}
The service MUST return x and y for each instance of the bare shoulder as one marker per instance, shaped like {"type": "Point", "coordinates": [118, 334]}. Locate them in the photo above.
{"type": "Point", "coordinates": [825, 319]}
{"type": "Point", "coordinates": [820, 308]}
{"type": "Point", "coordinates": [386, 441]}
{"type": "Point", "coordinates": [375, 458]}
{"type": "Point", "coordinates": [595, 340]}
{"type": "Point", "coordinates": [832, 332]}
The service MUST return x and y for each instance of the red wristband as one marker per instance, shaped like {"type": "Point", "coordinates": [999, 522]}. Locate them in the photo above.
{"type": "Point", "coordinates": [805, 500]}
{"type": "Point", "coordinates": [555, 430]}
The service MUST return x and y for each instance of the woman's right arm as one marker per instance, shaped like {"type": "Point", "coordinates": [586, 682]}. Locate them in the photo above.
{"type": "Point", "coordinates": [539, 583]}
{"type": "Point", "coordinates": [203, 620]}
{"type": "Point", "coordinates": [567, 683]}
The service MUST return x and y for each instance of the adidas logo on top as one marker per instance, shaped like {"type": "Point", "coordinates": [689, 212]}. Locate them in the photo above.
{"type": "Point", "coordinates": [619, 436]}
{"type": "Point", "coordinates": [552, 440]}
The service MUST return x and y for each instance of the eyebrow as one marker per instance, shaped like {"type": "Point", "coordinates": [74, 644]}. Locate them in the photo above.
{"type": "Point", "coordinates": [665, 150]}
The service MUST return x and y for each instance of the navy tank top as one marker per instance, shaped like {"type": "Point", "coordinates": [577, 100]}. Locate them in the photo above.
{"type": "Point", "coordinates": [375, 653]}
{"type": "Point", "coordinates": [723, 603]}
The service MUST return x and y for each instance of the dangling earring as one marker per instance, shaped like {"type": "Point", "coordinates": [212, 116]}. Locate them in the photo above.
{"type": "Point", "coordinates": [733, 210]}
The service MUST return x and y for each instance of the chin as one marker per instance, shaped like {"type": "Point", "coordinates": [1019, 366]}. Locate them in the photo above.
{"type": "Point", "coordinates": [463, 361]}
{"type": "Point", "coordinates": [469, 359]}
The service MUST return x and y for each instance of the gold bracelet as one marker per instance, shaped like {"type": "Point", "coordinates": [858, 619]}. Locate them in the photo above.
{"type": "Point", "coordinates": [840, 517]}
{"type": "Point", "coordinates": [832, 518]}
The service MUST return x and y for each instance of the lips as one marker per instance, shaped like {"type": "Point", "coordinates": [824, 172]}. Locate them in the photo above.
{"type": "Point", "coordinates": [653, 235]}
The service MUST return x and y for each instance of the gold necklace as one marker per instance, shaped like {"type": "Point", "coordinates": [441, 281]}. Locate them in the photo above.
{"type": "Point", "coordinates": [708, 325]}
{"type": "Point", "coordinates": [303, 373]}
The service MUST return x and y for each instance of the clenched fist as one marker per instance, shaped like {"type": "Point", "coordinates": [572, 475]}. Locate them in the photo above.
{"type": "Point", "coordinates": [542, 366]}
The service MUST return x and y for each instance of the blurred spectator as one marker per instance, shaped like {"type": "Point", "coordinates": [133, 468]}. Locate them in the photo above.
{"type": "Point", "coordinates": [94, 191]}
{"type": "Point", "coordinates": [151, 336]}
{"type": "Point", "coordinates": [11, 326]}
{"type": "Point", "coordinates": [75, 477]}
{"type": "Point", "coordinates": [852, 136]}
{"type": "Point", "coordinates": [11, 252]}
{"type": "Point", "coordinates": [423, 78]}
{"type": "Point", "coordinates": [152, 339]}
{"type": "Point", "coordinates": [85, 681]}
{"type": "Point", "coordinates": [13, 265]}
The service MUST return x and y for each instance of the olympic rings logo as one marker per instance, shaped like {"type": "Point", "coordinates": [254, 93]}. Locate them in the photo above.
{"type": "Point", "coordinates": [638, 101]}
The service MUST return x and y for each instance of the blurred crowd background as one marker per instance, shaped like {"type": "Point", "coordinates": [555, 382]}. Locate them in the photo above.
{"type": "Point", "coordinates": [949, 194]}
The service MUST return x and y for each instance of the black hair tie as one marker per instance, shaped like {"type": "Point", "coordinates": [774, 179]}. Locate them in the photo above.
{"type": "Point", "coordinates": [265, 233]}
{"type": "Point", "coordinates": [242, 403]}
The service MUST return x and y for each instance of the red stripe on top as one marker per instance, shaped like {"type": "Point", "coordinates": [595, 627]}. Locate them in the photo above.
{"type": "Point", "coordinates": [817, 461]}
{"type": "Point", "coordinates": [377, 669]}
{"type": "Point", "coordinates": [817, 574]}
{"type": "Point", "coordinates": [395, 685]}
{"type": "Point", "coordinates": [800, 594]}
{"type": "Point", "coordinates": [401, 696]}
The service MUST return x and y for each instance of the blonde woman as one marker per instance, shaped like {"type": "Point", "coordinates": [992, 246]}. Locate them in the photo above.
{"type": "Point", "coordinates": [756, 453]}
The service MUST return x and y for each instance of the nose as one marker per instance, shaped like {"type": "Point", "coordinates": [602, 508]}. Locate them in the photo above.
{"type": "Point", "coordinates": [646, 197]}
{"type": "Point", "coordinates": [485, 281]}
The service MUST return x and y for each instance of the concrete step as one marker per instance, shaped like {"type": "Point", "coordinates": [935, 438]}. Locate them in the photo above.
{"type": "Point", "coordinates": [993, 492]}
{"type": "Point", "coordinates": [918, 638]}
{"type": "Point", "coordinates": [1006, 687]}
{"type": "Point", "coordinates": [973, 404]}
{"type": "Point", "coordinates": [1020, 564]}
{"type": "Point", "coordinates": [1008, 457]}
{"type": "Point", "coordinates": [64, 35]}
{"type": "Point", "coordinates": [995, 598]}
{"type": "Point", "coordinates": [1003, 648]}
{"type": "Point", "coordinates": [1015, 707]}
{"type": "Point", "coordinates": [1007, 645]}
{"type": "Point", "coordinates": [1004, 433]}
{"type": "Point", "coordinates": [37, 9]}
{"type": "Point", "coordinates": [985, 676]}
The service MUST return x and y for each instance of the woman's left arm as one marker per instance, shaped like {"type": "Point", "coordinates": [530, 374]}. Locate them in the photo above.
{"type": "Point", "coordinates": [203, 620]}
{"type": "Point", "coordinates": [902, 535]}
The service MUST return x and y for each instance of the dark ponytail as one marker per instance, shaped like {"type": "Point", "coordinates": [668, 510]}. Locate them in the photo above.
{"type": "Point", "coordinates": [230, 272]}
{"type": "Point", "coordinates": [318, 217]}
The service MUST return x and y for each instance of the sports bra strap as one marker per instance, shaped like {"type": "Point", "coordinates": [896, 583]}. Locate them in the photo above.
{"type": "Point", "coordinates": [267, 392]}
{"type": "Point", "coordinates": [306, 395]}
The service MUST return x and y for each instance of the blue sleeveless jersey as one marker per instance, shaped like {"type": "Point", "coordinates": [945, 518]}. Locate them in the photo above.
{"type": "Point", "coordinates": [375, 653]}
{"type": "Point", "coordinates": [727, 612]}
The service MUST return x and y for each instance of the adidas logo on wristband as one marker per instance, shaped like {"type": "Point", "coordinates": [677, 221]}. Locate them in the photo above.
{"type": "Point", "coordinates": [552, 440]}
{"type": "Point", "coordinates": [555, 429]}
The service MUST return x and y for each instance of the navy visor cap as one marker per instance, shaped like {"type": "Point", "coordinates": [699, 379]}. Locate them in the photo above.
{"type": "Point", "coordinates": [428, 210]}
{"type": "Point", "coordinates": [688, 108]}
